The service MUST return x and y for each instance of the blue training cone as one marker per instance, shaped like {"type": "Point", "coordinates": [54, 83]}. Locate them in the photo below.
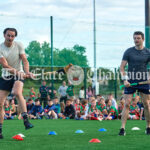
{"type": "Point", "coordinates": [79, 131]}
{"type": "Point", "coordinates": [52, 133]}
{"type": "Point", "coordinates": [102, 130]}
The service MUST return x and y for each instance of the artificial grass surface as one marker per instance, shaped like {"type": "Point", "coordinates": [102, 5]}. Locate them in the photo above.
{"type": "Point", "coordinates": [66, 138]}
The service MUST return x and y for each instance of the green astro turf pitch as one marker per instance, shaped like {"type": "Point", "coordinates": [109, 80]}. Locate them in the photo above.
{"type": "Point", "coordinates": [66, 138]}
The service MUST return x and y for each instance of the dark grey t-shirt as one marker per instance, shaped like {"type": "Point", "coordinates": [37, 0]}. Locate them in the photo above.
{"type": "Point", "coordinates": [137, 63]}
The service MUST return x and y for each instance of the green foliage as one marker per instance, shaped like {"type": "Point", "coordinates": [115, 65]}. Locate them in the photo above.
{"type": "Point", "coordinates": [40, 55]}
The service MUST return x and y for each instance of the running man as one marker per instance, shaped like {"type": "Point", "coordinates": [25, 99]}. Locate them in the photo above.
{"type": "Point", "coordinates": [12, 55]}
{"type": "Point", "coordinates": [137, 58]}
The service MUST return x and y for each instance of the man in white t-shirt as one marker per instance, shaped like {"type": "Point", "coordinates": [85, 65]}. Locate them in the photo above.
{"type": "Point", "coordinates": [12, 55]}
{"type": "Point", "coordinates": [62, 92]}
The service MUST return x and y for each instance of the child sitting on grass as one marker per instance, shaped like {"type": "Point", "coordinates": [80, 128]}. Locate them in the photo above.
{"type": "Point", "coordinates": [134, 112]}
{"type": "Point", "coordinates": [102, 107]}
{"type": "Point", "coordinates": [83, 110]}
{"type": "Point", "coordinates": [37, 111]}
{"type": "Point", "coordinates": [49, 111]}
{"type": "Point", "coordinates": [77, 106]}
{"type": "Point", "coordinates": [94, 112]}
{"type": "Point", "coordinates": [7, 114]}
{"type": "Point", "coordinates": [57, 106]}
{"type": "Point", "coordinates": [69, 112]}
{"type": "Point", "coordinates": [112, 111]}
{"type": "Point", "coordinates": [30, 105]}
{"type": "Point", "coordinates": [13, 110]}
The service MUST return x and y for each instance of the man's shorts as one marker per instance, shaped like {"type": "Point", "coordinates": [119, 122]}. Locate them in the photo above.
{"type": "Point", "coordinates": [63, 99]}
{"type": "Point", "coordinates": [145, 88]}
{"type": "Point", "coordinates": [7, 83]}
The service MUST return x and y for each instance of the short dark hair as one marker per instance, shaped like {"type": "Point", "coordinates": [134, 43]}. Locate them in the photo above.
{"type": "Point", "coordinates": [36, 100]}
{"type": "Point", "coordinates": [11, 29]}
{"type": "Point", "coordinates": [55, 98]}
{"type": "Point", "coordinates": [29, 99]}
{"type": "Point", "coordinates": [69, 100]}
{"type": "Point", "coordinates": [139, 33]}
{"type": "Point", "coordinates": [50, 100]}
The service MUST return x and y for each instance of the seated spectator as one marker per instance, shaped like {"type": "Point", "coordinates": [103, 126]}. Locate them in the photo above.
{"type": "Point", "coordinates": [98, 103]}
{"type": "Point", "coordinates": [7, 113]}
{"type": "Point", "coordinates": [13, 110]}
{"type": "Point", "coordinates": [69, 112]}
{"type": "Point", "coordinates": [37, 111]}
{"type": "Point", "coordinates": [57, 106]}
{"type": "Point", "coordinates": [141, 107]}
{"type": "Point", "coordinates": [30, 105]}
{"type": "Point", "coordinates": [83, 110]}
{"type": "Point", "coordinates": [90, 99]}
{"type": "Point", "coordinates": [49, 111]}
{"type": "Point", "coordinates": [120, 107]}
{"type": "Point", "coordinates": [94, 113]}
{"type": "Point", "coordinates": [102, 107]}
{"type": "Point", "coordinates": [134, 112]}
{"type": "Point", "coordinates": [112, 111]}
{"type": "Point", "coordinates": [77, 106]}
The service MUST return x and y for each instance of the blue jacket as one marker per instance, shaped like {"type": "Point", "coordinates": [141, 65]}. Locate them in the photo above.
{"type": "Point", "coordinates": [52, 107]}
{"type": "Point", "coordinates": [36, 109]}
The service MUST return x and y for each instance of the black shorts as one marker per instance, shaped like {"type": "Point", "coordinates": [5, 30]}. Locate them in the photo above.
{"type": "Point", "coordinates": [145, 88]}
{"type": "Point", "coordinates": [63, 99]}
{"type": "Point", "coordinates": [7, 83]}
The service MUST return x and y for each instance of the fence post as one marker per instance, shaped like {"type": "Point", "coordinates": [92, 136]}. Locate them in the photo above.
{"type": "Point", "coordinates": [115, 83]}
{"type": "Point", "coordinates": [85, 78]}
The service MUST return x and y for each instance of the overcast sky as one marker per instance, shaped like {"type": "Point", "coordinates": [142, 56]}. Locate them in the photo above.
{"type": "Point", "coordinates": [116, 20]}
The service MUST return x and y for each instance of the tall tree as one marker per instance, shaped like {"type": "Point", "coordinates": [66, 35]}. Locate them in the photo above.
{"type": "Point", "coordinates": [40, 54]}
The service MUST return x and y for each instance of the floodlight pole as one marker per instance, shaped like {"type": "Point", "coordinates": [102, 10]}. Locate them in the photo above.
{"type": "Point", "coordinates": [147, 23]}
{"type": "Point", "coordinates": [94, 40]}
{"type": "Point", "coordinates": [51, 35]}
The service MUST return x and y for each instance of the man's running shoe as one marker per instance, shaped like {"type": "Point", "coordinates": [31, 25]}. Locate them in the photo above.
{"type": "Point", "coordinates": [147, 131]}
{"type": "Point", "coordinates": [28, 125]}
{"type": "Point", "coordinates": [122, 132]}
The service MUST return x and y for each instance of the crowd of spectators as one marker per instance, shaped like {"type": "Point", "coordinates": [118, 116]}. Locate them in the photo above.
{"type": "Point", "coordinates": [64, 104]}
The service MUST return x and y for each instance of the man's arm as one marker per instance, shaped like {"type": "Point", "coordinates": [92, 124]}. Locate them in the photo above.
{"type": "Point", "coordinates": [5, 65]}
{"type": "Point", "coordinates": [25, 63]}
{"type": "Point", "coordinates": [123, 74]}
{"type": "Point", "coordinates": [122, 66]}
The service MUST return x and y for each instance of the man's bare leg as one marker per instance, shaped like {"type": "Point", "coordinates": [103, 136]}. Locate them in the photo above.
{"type": "Point", "coordinates": [3, 96]}
{"type": "Point", "coordinates": [17, 91]}
{"type": "Point", "coordinates": [125, 113]}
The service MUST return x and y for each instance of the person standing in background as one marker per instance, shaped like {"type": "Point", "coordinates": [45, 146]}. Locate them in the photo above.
{"type": "Point", "coordinates": [62, 92]}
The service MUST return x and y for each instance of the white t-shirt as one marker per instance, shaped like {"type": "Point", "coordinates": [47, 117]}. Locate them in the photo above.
{"type": "Point", "coordinates": [81, 94]}
{"type": "Point", "coordinates": [114, 103]}
{"type": "Point", "coordinates": [12, 55]}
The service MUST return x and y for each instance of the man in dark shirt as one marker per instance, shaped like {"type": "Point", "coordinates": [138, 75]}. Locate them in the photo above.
{"type": "Point", "coordinates": [137, 58]}
{"type": "Point", "coordinates": [43, 93]}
